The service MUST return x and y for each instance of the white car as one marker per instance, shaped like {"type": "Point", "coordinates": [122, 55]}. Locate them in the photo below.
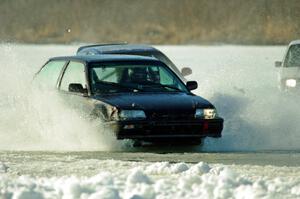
{"type": "Point", "coordinates": [289, 67]}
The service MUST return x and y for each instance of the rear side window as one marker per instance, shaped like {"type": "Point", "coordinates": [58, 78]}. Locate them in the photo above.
{"type": "Point", "coordinates": [48, 75]}
{"type": "Point", "coordinates": [74, 74]}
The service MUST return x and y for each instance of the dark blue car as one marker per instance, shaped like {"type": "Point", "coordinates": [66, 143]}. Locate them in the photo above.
{"type": "Point", "coordinates": [140, 98]}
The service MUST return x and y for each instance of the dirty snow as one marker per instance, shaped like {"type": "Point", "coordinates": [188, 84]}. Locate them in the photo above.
{"type": "Point", "coordinates": [156, 180]}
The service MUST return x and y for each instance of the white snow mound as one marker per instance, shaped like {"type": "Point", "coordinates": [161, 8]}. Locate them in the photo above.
{"type": "Point", "coordinates": [153, 180]}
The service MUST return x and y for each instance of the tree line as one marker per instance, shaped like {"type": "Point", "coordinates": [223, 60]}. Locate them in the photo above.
{"type": "Point", "coordinates": [155, 21]}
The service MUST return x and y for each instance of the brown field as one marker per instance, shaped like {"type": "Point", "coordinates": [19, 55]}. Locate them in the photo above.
{"type": "Point", "coordinates": [150, 21]}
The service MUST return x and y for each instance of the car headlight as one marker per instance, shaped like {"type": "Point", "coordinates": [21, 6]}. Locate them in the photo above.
{"type": "Point", "coordinates": [132, 115]}
{"type": "Point", "coordinates": [291, 83]}
{"type": "Point", "coordinates": [207, 113]}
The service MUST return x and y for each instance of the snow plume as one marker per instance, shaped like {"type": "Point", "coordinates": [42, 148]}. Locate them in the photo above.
{"type": "Point", "coordinates": [267, 122]}
{"type": "Point", "coordinates": [35, 120]}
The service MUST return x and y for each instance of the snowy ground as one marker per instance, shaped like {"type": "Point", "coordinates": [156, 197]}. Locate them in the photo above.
{"type": "Point", "coordinates": [52, 175]}
{"type": "Point", "coordinates": [240, 81]}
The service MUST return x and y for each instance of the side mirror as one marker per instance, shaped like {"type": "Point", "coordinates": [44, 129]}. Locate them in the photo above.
{"type": "Point", "coordinates": [76, 88]}
{"type": "Point", "coordinates": [185, 71]}
{"type": "Point", "coordinates": [192, 85]}
{"type": "Point", "coordinates": [278, 64]}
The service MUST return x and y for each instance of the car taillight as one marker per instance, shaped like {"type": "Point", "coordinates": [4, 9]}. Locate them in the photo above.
{"type": "Point", "coordinates": [205, 126]}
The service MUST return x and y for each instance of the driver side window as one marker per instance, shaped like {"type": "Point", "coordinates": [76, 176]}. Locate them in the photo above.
{"type": "Point", "coordinates": [73, 74]}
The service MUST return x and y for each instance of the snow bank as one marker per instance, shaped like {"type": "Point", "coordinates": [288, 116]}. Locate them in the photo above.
{"type": "Point", "coordinates": [153, 180]}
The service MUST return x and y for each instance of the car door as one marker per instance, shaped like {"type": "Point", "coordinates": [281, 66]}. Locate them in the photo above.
{"type": "Point", "coordinates": [75, 73]}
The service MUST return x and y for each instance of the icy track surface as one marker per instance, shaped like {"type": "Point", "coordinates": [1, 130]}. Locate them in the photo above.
{"type": "Point", "coordinates": [240, 81]}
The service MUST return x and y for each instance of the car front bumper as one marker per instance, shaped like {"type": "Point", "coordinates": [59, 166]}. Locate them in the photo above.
{"type": "Point", "coordinates": [169, 130]}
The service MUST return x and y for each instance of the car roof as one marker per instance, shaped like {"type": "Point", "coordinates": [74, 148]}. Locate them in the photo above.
{"type": "Point", "coordinates": [295, 42]}
{"type": "Point", "coordinates": [105, 58]}
{"type": "Point", "coordinates": [117, 48]}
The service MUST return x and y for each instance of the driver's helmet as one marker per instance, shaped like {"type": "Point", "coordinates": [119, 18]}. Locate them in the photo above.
{"type": "Point", "coordinates": [138, 75]}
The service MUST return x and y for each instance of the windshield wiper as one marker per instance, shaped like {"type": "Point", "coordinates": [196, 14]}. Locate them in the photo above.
{"type": "Point", "coordinates": [128, 88]}
{"type": "Point", "coordinates": [172, 87]}
{"type": "Point", "coordinates": [163, 85]}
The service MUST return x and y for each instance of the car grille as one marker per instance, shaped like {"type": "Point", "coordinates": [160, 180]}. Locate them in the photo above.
{"type": "Point", "coordinates": [173, 129]}
{"type": "Point", "coordinates": [170, 116]}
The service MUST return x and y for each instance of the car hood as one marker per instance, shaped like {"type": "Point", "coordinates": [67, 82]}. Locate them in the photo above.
{"type": "Point", "coordinates": [290, 72]}
{"type": "Point", "coordinates": [156, 101]}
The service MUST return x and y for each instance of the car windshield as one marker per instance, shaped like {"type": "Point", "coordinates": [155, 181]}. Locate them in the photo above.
{"type": "Point", "coordinates": [160, 56]}
{"type": "Point", "coordinates": [293, 56]}
{"type": "Point", "coordinates": [157, 54]}
{"type": "Point", "coordinates": [125, 77]}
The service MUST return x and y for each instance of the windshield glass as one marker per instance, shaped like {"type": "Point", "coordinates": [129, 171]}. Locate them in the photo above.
{"type": "Point", "coordinates": [158, 55]}
{"type": "Point", "coordinates": [293, 56]}
{"type": "Point", "coordinates": [112, 78]}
